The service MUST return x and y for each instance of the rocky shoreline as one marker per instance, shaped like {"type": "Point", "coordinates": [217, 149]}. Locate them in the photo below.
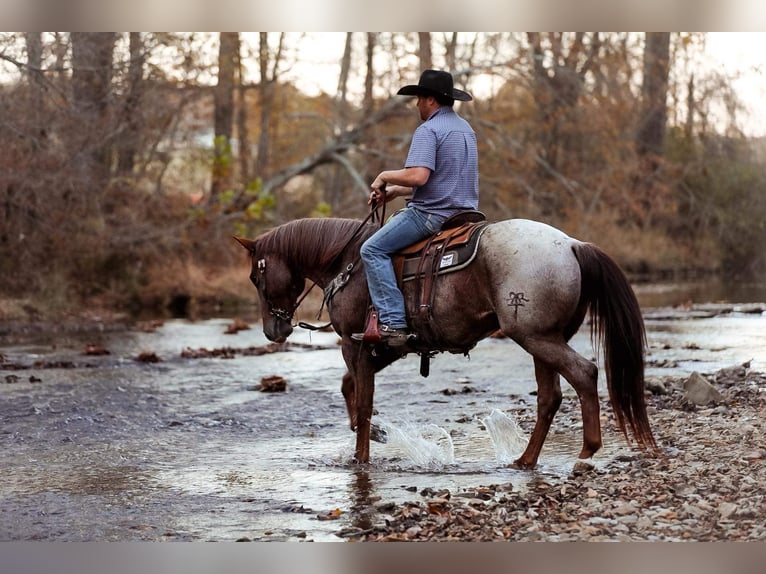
{"type": "Point", "coordinates": [705, 485]}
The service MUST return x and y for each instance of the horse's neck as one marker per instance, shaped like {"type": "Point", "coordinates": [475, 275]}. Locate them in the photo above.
{"type": "Point", "coordinates": [330, 251]}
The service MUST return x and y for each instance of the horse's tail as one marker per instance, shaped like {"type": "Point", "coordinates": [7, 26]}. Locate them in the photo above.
{"type": "Point", "coordinates": [618, 327]}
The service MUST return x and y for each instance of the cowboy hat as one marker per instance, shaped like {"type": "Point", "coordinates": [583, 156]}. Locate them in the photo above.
{"type": "Point", "coordinates": [435, 82]}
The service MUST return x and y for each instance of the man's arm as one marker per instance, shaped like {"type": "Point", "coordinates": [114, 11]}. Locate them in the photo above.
{"type": "Point", "coordinates": [399, 182]}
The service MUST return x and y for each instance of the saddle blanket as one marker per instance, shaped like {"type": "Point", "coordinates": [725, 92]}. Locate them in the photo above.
{"type": "Point", "coordinates": [454, 248]}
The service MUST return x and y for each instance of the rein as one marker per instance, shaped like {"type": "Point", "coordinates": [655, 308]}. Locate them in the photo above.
{"type": "Point", "coordinates": [337, 283]}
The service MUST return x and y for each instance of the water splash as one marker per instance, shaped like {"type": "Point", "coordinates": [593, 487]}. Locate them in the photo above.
{"type": "Point", "coordinates": [506, 435]}
{"type": "Point", "coordinates": [428, 446]}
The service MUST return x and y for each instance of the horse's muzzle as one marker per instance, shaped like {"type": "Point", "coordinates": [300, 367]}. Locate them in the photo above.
{"type": "Point", "coordinates": [277, 330]}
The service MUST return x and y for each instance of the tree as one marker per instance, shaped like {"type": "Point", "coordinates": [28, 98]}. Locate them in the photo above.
{"type": "Point", "coordinates": [372, 39]}
{"type": "Point", "coordinates": [650, 134]}
{"type": "Point", "coordinates": [424, 51]}
{"type": "Point", "coordinates": [228, 56]}
{"type": "Point", "coordinates": [91, 89]}
{"type": "Point", "coordinates": [558, 79]}
{"type": "Point", "coordinates": [129, 141]}
{"type": "Point", "coordinates": [342, 94]}
{"type": "Point", "coordinates": [266, 89]}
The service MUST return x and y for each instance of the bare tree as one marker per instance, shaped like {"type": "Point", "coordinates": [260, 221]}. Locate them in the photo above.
{"type": "Point", "coordinates": [266, 88]}
{"type": "Point", "coordinates": [129, 142]}
{"type": "Point", "coordinates": [342, 95]}
{"type": "Point", "coordinates": [450, 53]}
{"type": "Point", "coordinates": [34, 42]}
{"type": "Point", "coordinates": [243, 134]}
{"type": "Point", "coordinates": [558, 74]}
{"type": "Point", "coordinates": [228, 52]}
{"type": "Point", "coordinates": [650, 135]}
{"type": "Point", "coordinates": [424, 50]}
{"type": "Point", "coordinates": [372, 39]}
{"type": "Point", "coordinates": [91, 87]}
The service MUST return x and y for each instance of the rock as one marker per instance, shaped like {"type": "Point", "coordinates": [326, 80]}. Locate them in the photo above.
{"type": "Point", "coordinates": [656, 386]}
{"type": "Point", "coordinates": [148, 357]}
{"type": "Point", "coordinates": [736, 372]}
{"type": "Point", "coordinates": [582, 467]}
{"type": "Point", "coordinates": [273, 384]}
{"type": "Point", "coordinates": [726, 509]}
{"type": "Point", "coordinates": [699, 391]}
{"type": "Point", "coordinates": [95, 350]}
{"type": "Point", "coordinates": [236, 326]}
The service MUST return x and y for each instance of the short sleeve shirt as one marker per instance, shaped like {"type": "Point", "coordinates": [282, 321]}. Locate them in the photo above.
{"type": "Point", "coordinates": [446, 144]}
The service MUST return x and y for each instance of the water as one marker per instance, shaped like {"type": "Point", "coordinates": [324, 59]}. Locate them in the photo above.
{"type": "Point", "coordinates": [508, 439]}
{"type": "Point", "coordinates": [186, 449]}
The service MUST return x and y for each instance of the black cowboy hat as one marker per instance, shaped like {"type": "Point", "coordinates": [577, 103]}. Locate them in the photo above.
{"type": "Point", "coordinates": [435, 82]}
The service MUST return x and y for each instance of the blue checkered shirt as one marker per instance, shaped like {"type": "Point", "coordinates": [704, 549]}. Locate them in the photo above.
{"type": "Point", "coordinates": [446, 144]}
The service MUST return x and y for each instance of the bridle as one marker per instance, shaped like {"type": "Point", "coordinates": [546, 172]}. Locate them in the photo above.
{"type": "Point", "coordinates": [278, 312]}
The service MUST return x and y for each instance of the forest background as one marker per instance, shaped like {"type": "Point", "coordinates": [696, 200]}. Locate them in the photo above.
{"type": "Point", "coordinates": [128, 160]}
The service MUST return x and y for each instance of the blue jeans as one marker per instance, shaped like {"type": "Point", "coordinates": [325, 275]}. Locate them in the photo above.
{"type": "Point", "coordinates": [402, 230]}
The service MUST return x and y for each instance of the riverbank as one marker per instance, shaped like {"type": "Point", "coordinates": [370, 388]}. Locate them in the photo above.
{"type": "Point", "coordinates": [706, 485]}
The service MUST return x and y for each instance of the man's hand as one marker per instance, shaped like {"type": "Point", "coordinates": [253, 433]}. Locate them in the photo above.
{"type": "Point", "coordinates": [376, 196]}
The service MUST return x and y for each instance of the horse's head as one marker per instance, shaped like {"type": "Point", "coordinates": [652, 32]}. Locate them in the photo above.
{"type": "Point", "coordinates": [278, 290]}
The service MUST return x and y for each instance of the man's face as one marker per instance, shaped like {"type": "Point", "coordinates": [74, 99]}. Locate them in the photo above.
{"type": "Point", "coordinates": [425, 106]}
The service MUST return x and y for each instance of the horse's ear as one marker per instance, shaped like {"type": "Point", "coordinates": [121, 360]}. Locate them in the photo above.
{"type": "Point", "coordinates": [248, 244]}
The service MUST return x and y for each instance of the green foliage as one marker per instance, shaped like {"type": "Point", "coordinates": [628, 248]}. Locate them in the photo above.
{"type": "Point", "coordinates": [222, 160]}
{"type": "Point", "coordinates": [263, 203]}
{"type": "Point", "coordinates": [323, 209]}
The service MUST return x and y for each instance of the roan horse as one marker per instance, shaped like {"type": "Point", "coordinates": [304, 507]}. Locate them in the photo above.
{"type": "Point", "coordinates": [529, 280]}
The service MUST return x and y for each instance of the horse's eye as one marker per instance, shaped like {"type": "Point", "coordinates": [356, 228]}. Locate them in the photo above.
{"type": "Point", "coordinates": [254, 280]}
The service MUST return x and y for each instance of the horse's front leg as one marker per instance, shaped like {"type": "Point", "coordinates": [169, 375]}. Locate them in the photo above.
{"type": "Point", "coordinates": [365, 387]}
{"type": "Point", "coordinates": [359, 387]}
{"type": "Point", "coordinates": [347, 388]}
{"type": "Point", "coordinates": [548, 402]}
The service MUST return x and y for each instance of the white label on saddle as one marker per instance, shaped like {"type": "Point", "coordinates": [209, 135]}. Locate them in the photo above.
{"type": "Point", "coordinates": [447, 260]}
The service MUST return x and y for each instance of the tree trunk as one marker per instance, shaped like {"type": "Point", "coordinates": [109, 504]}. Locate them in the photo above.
{"type": "Point", "coordinates": [128, 145]}
{"type": "Point", "coordinates": [34, 42]}
{"type": "Point", "coordinates": [650, 136]}
{"type": "Point", "coordinates": [91, 88]}
{"type": "Point", "coordinates": [451, 53]}
{"type": "Point", "coordinates": [266, 90]}
{"type": "Point", "coordinates": [424, 51]}
{"type": "Point", "coordinates": [243, 135]}
{"type": "Point", "coordinates": [369, 76]}
{"type": "Point", "coordinates": [228, 52]}
{"type": "Point", "coordinates": [342, 96]}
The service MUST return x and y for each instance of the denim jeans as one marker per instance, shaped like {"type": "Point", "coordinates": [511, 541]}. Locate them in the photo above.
{"type": "Point", "coordinates": [403, 229]}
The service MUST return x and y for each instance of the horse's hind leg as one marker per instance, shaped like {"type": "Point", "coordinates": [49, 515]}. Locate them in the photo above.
{"type": "Point", "coordinates": [583, 376]}
{"type": "Point", "coordinates": [548, 401]}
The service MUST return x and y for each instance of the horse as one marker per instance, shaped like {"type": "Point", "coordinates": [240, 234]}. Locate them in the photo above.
{"type": "Point", "coordinates": [529, 280]}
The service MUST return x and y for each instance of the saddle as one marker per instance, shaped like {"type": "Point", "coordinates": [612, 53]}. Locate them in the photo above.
{"type": "Point", "coordinates": [452, 248]}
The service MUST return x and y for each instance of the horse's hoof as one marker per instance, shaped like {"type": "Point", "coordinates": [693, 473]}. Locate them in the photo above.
{"type": "Point", "coordinates": [519, 464]}
{"type": "Point", "coordinates": [377, 434]}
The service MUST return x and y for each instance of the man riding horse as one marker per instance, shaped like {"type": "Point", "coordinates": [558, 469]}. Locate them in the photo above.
{"type": "Point", "coordinates": [440, 178]}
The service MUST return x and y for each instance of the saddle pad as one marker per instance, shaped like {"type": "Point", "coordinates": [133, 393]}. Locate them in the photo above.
{"type": "Point", "coordinates": [459, 247]}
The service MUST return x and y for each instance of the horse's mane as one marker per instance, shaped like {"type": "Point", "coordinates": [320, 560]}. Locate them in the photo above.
{"type": "Point", "coordinates": [313, 241]}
